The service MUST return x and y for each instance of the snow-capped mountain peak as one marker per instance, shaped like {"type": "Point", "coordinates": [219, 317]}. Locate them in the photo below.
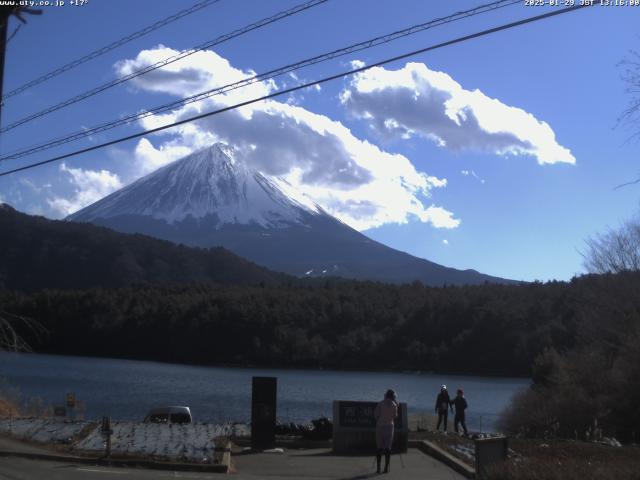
{"type": "Point", "coordinates": [212, 198]}
{"type": "Point", "coordinates": [213, 182]}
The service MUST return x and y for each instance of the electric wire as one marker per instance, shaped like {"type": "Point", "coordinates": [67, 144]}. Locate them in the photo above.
{"type": "Point", "coordinates": [383, 39]}
{"type": "Point", "coordinates": [305, 85]}
{"type": "Point", "coordinates": [107, 48]}
{"type": "Point", "coordinates": [174, 58]}
{"type": "Point", "coordinates": [13, 34]}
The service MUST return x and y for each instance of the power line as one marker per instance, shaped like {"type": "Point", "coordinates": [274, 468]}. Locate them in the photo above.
{"type": "Point", "coordinates": [262, 77]}
{"type": "Point", "coordinates": [107, 48]}
{"type": "Point", "coordinates": [15, 31]}
{"type": "Point", "coordinates": [223, 38]}
{"type": "Point", "coordinates": [305, 85]}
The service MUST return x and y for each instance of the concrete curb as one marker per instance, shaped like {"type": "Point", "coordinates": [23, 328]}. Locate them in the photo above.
{"type": "Point", "coordinates": [304, 444]}
{"type": "Point", "coordinates": [222, 467]}
{"type": "Point", "coordinates": [289, 442]}
{"type": "Point", "coordinates": [438, 453]}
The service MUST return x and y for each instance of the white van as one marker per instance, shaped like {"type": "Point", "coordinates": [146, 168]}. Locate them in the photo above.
{"type": "Point", "coordinates": [173, 414]}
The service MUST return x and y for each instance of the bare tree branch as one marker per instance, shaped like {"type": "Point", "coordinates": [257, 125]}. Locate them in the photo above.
{"type": "Point", "coordinates": [10, 325]}
{"type": "Point", "coordinates": [626, 184]}
{"type": "Point", "coordinates": [630, 116]}
{"type": "Point", "coordinates": [617, 250]}
{"type": "Point", "coordinates": [631, 77]}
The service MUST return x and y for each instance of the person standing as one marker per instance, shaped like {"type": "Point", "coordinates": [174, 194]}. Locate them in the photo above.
{"type": "Point", "coordinates": [385, 413]}
{"type": "Point", "coordinates": [460, 403]}
{"type": "Point", "coordinates": [443, 404]}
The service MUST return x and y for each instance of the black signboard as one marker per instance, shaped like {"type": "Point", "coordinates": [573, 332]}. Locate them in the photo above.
{"type": "Point", "coordinates": [490, 451]}
{"type": "Point", "coordinates": [263, 412]}
{"type": "Point", "coordinates": [360, 415]}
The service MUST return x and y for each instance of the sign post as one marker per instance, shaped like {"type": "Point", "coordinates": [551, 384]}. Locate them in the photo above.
{"type": "Point", "coordinates": [106, 430]}
{"type": "Point", "coordinates": [263, 412]}
{"type": "Point", "coordinates": [60, 412]}
{"type": "Point", "coordinates": [490, 451]}
{"type": "Point", "coordinates": [354, 427]}
{"type": "Point", "coordinates": [71, 405]}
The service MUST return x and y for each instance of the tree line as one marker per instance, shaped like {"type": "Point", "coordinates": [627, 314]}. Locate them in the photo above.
{"type": "Point", "coordinates": [488, 329]}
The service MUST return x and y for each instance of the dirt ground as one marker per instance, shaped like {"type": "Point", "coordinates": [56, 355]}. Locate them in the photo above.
{"type": "Point", "coordinates": [534, 459]}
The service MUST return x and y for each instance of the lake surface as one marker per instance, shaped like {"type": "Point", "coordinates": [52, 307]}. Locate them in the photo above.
{"type": "Point", "coordinates": [127, 389]}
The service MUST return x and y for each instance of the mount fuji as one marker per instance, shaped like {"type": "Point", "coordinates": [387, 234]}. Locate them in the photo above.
{"type": "Point", "coordinates": [212, 198]}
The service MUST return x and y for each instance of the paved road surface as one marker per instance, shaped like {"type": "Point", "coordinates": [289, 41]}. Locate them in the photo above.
{"type": "Point", "coordinates": [12, 468]}
{"type": "Point", "coordinates": [312, 464]}
{"type": "Point", "coordinates": [321, 464]}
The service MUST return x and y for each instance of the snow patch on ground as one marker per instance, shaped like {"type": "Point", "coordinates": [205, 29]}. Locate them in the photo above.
{"type": "Point", "coordinates": [42, 430]}
{"type": "Point", "coordinates": [188, 442]}
{"type": "Point", "coordinates": [193, 442]}
{"type": "Point", "coordinates": [466, 451]}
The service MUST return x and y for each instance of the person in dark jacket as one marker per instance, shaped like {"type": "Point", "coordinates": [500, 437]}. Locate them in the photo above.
{"type": "Point", "coordinates": [460, 403]}
{"type": "Point", "coordinates": [443, 404]}
{"type": "Point", "coordinates": [385, 414]}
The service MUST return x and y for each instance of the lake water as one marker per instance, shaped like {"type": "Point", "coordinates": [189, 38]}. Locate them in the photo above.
{"type": "Point", "coordinates": [127, 389]}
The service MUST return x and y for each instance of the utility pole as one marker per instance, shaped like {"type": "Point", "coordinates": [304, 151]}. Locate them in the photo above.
{"type": "Point", "coordinates": [4, 24]}
{"type": "Point", "coordinates": [5, 13]}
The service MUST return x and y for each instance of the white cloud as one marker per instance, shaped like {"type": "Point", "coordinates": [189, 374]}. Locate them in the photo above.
{"type": "Point", "coordinates": [148, 158]}
{"type": "Point", "coordinates": [89, 186]}
{"type": "Point", "coordinates": [297, 80]}
{"type": "Point", "coordinates": [30, 185]}
{"type": "Point", "coordinates": [351, 178]}
{"type": "Point", "coordinates": [441, 218]}
{"type": "Point", "coordinates": [437, 182]}
{"type": "Point", "coordinates": [445, 242]}
{"type": "Point", "coordinates": [199, 71]}
{"type": "Point", "coordinates": [415, 100]}
{"type": "Point", "coordinates": [472, 173]}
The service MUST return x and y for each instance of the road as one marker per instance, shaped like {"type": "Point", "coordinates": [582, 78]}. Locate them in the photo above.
{"type": "Point", "coordinates": [315, 464]}
{"type": "Point", "coordinates": [13, 468]}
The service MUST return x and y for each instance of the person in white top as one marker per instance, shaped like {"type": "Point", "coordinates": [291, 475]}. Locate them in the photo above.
{"type": "Point", "coordinates": [385, 413]}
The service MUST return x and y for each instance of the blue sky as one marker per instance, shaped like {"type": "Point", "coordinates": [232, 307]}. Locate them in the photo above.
{"type": "Point", "coordinates": [518, 200]}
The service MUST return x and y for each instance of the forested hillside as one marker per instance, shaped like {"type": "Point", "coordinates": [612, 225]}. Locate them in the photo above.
{"type": "Point", "coordinates": [490, 329]}
{"type": "Point", "coordinates": [39, 253]}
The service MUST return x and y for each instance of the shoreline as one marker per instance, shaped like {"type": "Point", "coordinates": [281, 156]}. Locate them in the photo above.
{"type": "Point", "coordinates": [280, 367]}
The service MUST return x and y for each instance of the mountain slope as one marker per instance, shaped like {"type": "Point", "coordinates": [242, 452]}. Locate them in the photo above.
{"type": "Point", "coordinates": [38, 253]}
{"type": "Point", "coordinates": [206, 182]}
{"type": "Point", "coordinates": [211, 198]}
